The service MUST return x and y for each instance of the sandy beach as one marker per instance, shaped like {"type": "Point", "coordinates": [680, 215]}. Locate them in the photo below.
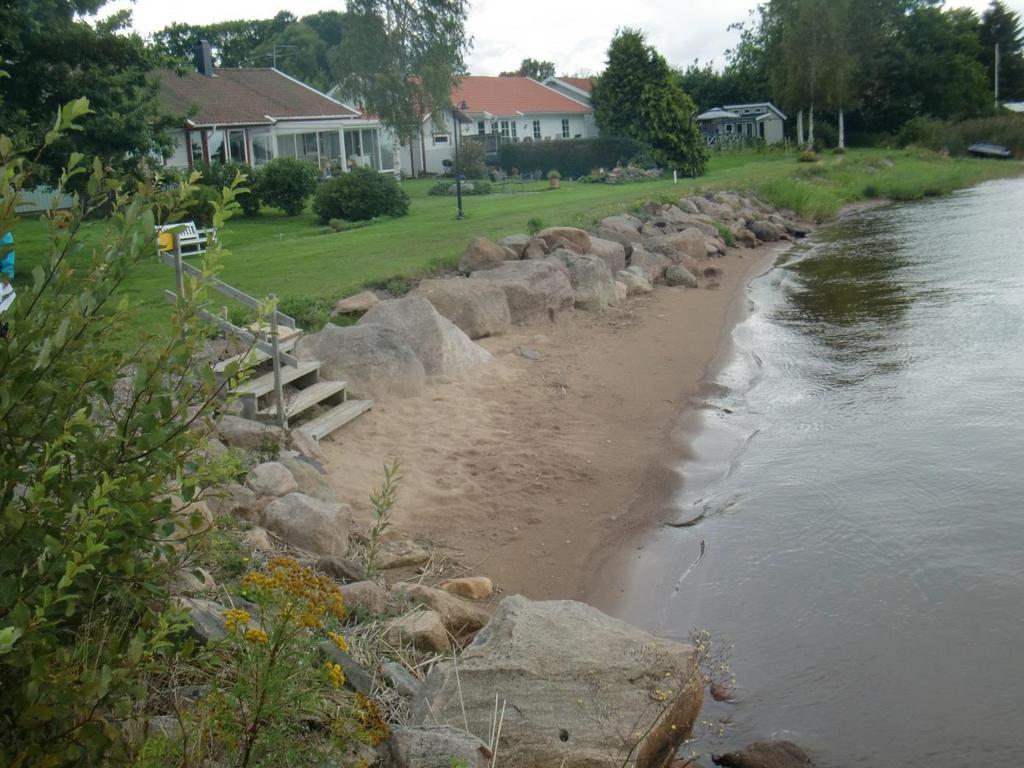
{"type": "Point", "coordinates": [532, 471]}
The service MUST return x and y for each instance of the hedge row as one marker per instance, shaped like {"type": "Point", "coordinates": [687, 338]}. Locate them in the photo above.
{"type": "Point", "coordinates": [571, 157]}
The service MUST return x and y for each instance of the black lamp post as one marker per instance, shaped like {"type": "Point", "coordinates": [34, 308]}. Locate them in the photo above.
{"type": "Point", "coordinates": [461, 106]}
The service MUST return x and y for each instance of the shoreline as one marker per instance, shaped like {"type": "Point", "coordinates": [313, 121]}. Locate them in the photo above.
{"type": "Point", "coordinates": [537, 472]}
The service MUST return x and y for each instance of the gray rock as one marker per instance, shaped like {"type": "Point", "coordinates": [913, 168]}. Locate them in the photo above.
{"type": "Point", "coordinates": [356, 678]}
{"type": "Point", "coordinates": [578, 686]}
{"type": "Point", "coordinates": [271, 478]}
{"type": "Point", "coordinates": [678, 275]}
{"type": "Point", "coordinates": [574, 235]}
{"type": "Point", "coordinates": [536, 249]}
{"type": "Point", "coordinates": [478, 309]}
{"type": "Point", "coordinates": [397, 551]}
{"type": "Point", "coordinates": [257, 538]}
{"type": "Point", "coordinates": [341, 568]}
{"type": "Point", "coordinates": [356, 304]}
{"type": "Point", "coordinates": [516, 243]}
{"type": "Point", "coordinates": [612, 253]}
{"type": "Point", "coordinates": [765, 754]}
{"type": "Point", "coordinates": [527, 353]}
{"type": "Point", "coordinates": [765, 230]}
{"type": "Point", "coordinates": [690, 242]}
{"type": "Point", "coordinates": [686, 205]}
{"type": "Point", "coordinates": [653, 265]}
{"type": "Point", "coordinates": [627, 241]}
{"type": "Point", "coordinates": [535, 290]}
{"type": "Point", "coordinates": [459, 616]}
{"type": "Point", "coordinates": [374, 360]}
{"type": "Point", "coordinates": [481, 253]}
{"type": "Point", "coordinates": [207, 618]}
{"type": "Point", "coordinates": [309, 478]}
{"type": "Point", "coordinates": [592, 281]}
{"type": "Point", "coordinates": [439, 344]}
{"type": "Point", "coordinates": [401, 679]}
{"type": "Point", "coordinates": [636, 283]}
{"type": "Point", "coordinates": [366, 596]}
{"type": "Point", "coordinates": [250, 435]}
{"type": "Point", "coordinates": [233, 499]}
{"type": "Point", "coordinates": [311, 524]}
{"type": "Point", "coordinates": [435, 747]}
{"type": "Point", "coordinates": [624, 223]}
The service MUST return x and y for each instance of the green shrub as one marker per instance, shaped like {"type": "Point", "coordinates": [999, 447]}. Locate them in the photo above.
{"type": "Point", "coordinates": [200, 207]}
{"type": "Point", "coordinates": [220, 175]}
{"type": "Point", "coordinates": [726, 234]}
{"type": "Point", "coordinates": [808, 156]}
{"type": "Point", "coordinates": [443, 188]}
{"type": "Point", "coordinates": [958, 136]}
{"type": "Point", "coordinates": [287, 184]}
{"type": "Point", "coordinates": [573, 157]}
{"type": "Point", "coordinates": [311, 313]}
{"type": "Point", "coordinates": [360, 194]}
{"type": "Point", "coordinates": [472, 159]}
{"type": "Point", "coordinates": [534, 225]}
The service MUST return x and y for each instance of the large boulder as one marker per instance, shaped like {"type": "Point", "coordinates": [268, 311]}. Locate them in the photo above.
{"type": "Point", "coordinates": [678, 275]}
{"type": "Point", "coordinates": [576, 236]}
{"type": "Point", "coordinates": [536, 249]}
{"type": "Point", "coordinates": [366, 596]}
{"type": "Point", "coordinates": [579, 688]}
{"type": "Point", "coordinates": [624, 223]}
{"type": "Point", "coordinates": [636, 283]}
{"type": "Point", "coordinates": [516, 243]}
{"type": "Point", "coordinates": [309, 477]}
{"type": "Point", "coordinates": [356, 304]}
{"type": "Point", "coordinates": [690, 242]}
{"type": "Point", "coordinates": [248, 434]}
{"type": "Point", "coordinates": [271, 478]}
{"type": "Point", "coordinates": [435, 747]}
{"type": "Point", "coordinates": [766, 231]}
{"type": "Point", "coordinates": [591, 280]}
{"type": "Point", "coordinates": [765, 754]}
{"type": "Point", "coordinates": [535, 290]}
{"type": "Point", "coordinates": [375, 361]}
{"type": "Point", "coordinates": [626, 240]}
{"type": "Point", "coordinates": [439, 344]}
{"type": "Point", "coordinates": [422, 629]}
{"type": "Point", "coordinates": [612, 253]}
{"type": "Point", "coordinates": [469, 587]}
{"type": "Point", "coordinates": [478, 309]}
{"type": "Point", "coordinates": [686, 205]}
{"type": "Point", "coordinates": [481, 253]}
{"type": "Point", "coordinates": [459, 616]}
{"type": "Point", "coordinates": [652, 265]}
{"type": "Point", "coordinates": [317, 526]}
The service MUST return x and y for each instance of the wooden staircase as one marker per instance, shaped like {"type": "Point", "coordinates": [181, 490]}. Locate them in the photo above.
{"type": "Point", "coordinates": [259, 375]}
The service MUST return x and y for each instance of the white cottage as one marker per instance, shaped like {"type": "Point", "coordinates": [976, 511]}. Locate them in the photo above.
{"type": "Point", "coordinates": [254, 115]}
{"type": "Point", "coordinates": [735, 123]}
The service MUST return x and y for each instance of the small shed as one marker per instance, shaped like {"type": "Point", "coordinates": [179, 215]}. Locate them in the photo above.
{"type": "Point", "coordinates": [736, 123]}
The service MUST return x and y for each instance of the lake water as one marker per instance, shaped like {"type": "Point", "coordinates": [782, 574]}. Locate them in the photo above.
{"type": "Point", "coordinates": [864, 537]}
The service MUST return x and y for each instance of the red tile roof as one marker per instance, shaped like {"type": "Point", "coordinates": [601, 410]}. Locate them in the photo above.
{"type": "Point", "coordinates": [244, 97]}
{"type": "Point", "coordinates": [512, 95]}
{"type": "Point", "coordinates": [583, 83]}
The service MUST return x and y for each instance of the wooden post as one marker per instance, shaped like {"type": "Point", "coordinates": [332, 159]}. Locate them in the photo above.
{"type": "Point", "coordinates": [282, 417]}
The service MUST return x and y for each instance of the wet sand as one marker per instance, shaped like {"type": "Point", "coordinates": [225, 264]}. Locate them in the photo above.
{"type": "Point", "coordinates": [534, 471]}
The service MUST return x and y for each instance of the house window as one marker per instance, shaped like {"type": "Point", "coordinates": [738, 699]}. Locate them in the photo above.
{"type": "Point", "coordinates": [565, 128]}
{"type": "Point", "coordinates": [760, 129]}
{"type": "Point", "coordinates": [536, 129]}
{"type": "Point", "coordinates": [750, 129]}
{"type": "Point", "coordinates": [236, 146]}
{"type": "Point", "coordinates": [728, 127]}
{"type": "Point", "coordinates": [481, 127]}
{"type": "Point", "coordinates": [494, 126]}
{"type": "Point", "coordinates": [195, 148]}
{"type": "Point", "coordinates": [261, 152]}
{"type": "Point", "coordinates": [353, 146]}
{"type": "Point", "coordinates": [440, 139]}
{"type": "Point", "coordinates": [215, 147]}
{"type": "Point", "coordinates": [504, 129]}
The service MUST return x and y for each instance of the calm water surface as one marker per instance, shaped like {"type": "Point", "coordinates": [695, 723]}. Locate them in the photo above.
{"type": "Point", "coordinates": [864, 540]}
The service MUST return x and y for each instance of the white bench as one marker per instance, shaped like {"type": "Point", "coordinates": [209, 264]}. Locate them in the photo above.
{"type": "Point", "coordinates": [191, 239]}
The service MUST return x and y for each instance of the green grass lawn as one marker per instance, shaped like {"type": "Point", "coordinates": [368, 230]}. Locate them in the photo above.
{"type": "Point", "coordinates": [298, 258]}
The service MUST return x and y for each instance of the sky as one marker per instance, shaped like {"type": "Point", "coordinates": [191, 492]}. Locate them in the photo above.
{"type": "Point", "coordinates": [572, 33]}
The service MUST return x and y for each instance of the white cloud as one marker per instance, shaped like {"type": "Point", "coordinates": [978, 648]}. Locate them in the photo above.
{"type": "Point", "coordinates": [572, 33]}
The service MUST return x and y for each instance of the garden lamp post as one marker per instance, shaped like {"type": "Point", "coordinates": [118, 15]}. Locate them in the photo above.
{"type": "Point", "coordinates": [460, 107]}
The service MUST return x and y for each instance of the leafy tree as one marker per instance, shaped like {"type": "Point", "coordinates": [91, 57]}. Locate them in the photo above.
{"type": "Point", "coordinates": [400, 58]}
{"type": "Point", "coordinates": [639, 97]}
{"type": "Point", "coordinates": [1000, 25]}
{"type": "Point", "coordinates": [99, 457]}
{"type": "Point", "coordinates": [534, 69]}
{"type": "Point", "coordinates": [302, 53]}
{"type": "Point", "coordinates": [233, 43]}
{"type": "Point", "coordinates": [53, 53]}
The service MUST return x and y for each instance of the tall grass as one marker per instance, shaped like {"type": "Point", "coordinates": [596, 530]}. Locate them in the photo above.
{"type": "Point", "coordinates": [1007, 130]}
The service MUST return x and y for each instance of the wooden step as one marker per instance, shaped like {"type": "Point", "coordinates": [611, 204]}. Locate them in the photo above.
{"type": "Point", "coordinates": [339, 415]}
{"type": "Point", "coordinates": [305, 398]}
{"type": "Point", "coordinates": [264, 384]}
{"type": "Point", "coordinates": [253, 357]}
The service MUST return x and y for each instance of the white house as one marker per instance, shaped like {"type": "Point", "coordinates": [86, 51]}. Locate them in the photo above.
{"type": "Point", "coordinates": [254, 115]}
{"type": "Point", "coordinates": [738, 122]}
{"type": "Point", "coordinates": [495, 110]}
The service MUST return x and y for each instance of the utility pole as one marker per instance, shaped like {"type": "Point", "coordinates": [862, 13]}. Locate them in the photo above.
{"type": "Point", "coordinates": [282, 47]}
{"type": "Point", "coordinates": [997, 76]}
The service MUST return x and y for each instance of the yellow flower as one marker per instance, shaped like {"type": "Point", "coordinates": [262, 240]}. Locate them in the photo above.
{"type": "Point", "coordinates": [339, 641]}
{"type": "Point", "coordinates": [234, 618]}
{"type": "Point", "coordinates": [256, 636]}
{"type": "Point", "coordinates": [335, 674]}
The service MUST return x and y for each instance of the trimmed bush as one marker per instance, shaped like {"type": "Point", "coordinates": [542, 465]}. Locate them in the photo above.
{"type": "Point", "coordinates": [287, 184]}
{"type": "Point", "coordinates": [468, 188]}
{"type": "Point", "coordinates": [472, 157]}
{"type": "Point", "coordinates": [573, 157]}
{"type": "Point", "coordinates": [360, 194]}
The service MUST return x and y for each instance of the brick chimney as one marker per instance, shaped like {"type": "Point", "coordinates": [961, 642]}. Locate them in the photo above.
{"type": "Point", "coordinates": [204, 58]}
